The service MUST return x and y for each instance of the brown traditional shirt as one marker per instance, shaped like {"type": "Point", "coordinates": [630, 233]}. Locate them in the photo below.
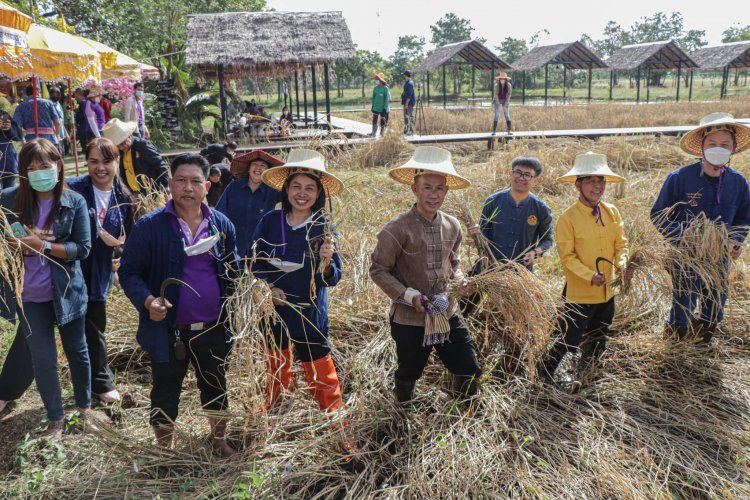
{"type": "Point", "coordinates": [413, 252]}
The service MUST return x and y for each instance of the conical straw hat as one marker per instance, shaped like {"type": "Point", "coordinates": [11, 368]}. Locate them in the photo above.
{"type": "Point", "coordinates": [429, 160]}
{"type": "Point", "coordinates": [304, 161]}
{"type": "Point", "coordinates": [692, 142]}
{"type": "Point", "coordinates": [590, 164]}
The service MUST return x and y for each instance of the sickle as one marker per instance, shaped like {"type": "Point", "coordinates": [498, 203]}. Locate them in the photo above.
{"type": "Point", "coordinates": [603, 259]}
{"type": "Point", "coordinates": [174, 281]}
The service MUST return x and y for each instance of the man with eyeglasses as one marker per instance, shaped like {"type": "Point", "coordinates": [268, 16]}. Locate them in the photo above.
{"type": "Point", "coordinates": [516, 222]}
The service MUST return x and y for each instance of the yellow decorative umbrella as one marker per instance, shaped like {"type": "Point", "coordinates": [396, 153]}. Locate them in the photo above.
{"type": "Point", "coordinates": [14, 18]}
{"type": "Point", "coordinates": [56, 56]}
{"type": "Point", "coordinates": [14, 42]}
{"type": "Point", "coordinates": [114, 64]}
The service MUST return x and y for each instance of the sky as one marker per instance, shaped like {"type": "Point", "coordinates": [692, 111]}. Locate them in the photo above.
{"type": "Point", "coordinates": [376, 25]}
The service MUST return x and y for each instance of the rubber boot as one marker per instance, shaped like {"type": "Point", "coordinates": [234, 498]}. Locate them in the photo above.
{"type": "Point", "coordinates": [546, 368]}
{"type": "Point", "coordinates": [324, 383]}
{"type": "Point", "coordinates": [278, 374]}
{"type": "Point", "coordinates": [164, 434]}
{"type": "Point", "coordinates": [404, 390]}
{"type": "Point", "coordinates": [494, 127]}
{"type": "Point", "coordinates": [219, 437]}
{"type": "Point", "coordinates": [703, 331]}
{"type": "Point", "coordinates": [374, 129]}
{"type": "Point", "coordinates": [465, 386]}
{"type": "Point", "coordinates": [510, 128]}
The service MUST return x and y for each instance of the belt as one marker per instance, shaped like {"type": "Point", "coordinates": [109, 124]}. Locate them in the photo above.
{"type": "Point", "coordinates": [197, 327]}
{"type": "Point", "coordinates": [43, 130]}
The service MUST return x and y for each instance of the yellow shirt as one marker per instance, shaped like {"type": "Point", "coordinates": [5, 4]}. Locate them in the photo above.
{"type": "Point", "coordinates": [127, 162]}
{"type": "Point", "coordinates": [580, 240]}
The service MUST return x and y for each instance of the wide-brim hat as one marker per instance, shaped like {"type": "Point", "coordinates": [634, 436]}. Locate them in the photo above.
{"type": "Point", "coordinates": [502, 75]}
{"type": "Point", "coordinates": [303, 161]}
{"type": "Point", "coordinates": [380, 76]}
{"type": "Point", "coordinates": [692, 142]}
{"type": "Point", "coordinates": [96, 91]}
{"type": "Point", "coordinates": [241, 163]}
{"type": "Point", "coordinates": [429, 160]}
{"type": "Point", "coordinates": [118, 131]}
{"type": "Point", "coordinates": [591, 165]}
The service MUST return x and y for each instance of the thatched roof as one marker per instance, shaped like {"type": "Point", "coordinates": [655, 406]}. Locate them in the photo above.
{"type": "Point", "coordinates": [471, 51]}
{"type": "Point", "coordinates": [267, 42]}
{"type": "Point", "coordinates": [656, 55]}
{"type": "Point", "coordinates": [573, 55]}
{"type": "Point", "coordinates": [734, 55]}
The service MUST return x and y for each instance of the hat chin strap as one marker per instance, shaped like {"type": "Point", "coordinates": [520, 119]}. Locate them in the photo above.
{"type": "Point", "coordinates": [597, 211]}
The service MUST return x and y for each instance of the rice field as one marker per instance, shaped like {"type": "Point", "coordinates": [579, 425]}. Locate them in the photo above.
{"type": "Point", "coordinates": [655, 420]}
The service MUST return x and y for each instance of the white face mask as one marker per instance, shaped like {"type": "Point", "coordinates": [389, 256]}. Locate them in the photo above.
{"type": "Point", "coordinates": [717, 156]}
{"type": "Point", "coordinates": [202, 246]}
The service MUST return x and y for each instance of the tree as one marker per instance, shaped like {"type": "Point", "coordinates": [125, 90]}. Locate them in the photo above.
{"type": "Point", "coordinates": [409, 51]}
{"type": "Point", "coordinates": [736, 34]}
{"type": "Point", "coordinates": [511, 49]}
{"type": "Point", "coordinates": [615, 37]}
{"type": "Point", "coordinates": [450, 29]}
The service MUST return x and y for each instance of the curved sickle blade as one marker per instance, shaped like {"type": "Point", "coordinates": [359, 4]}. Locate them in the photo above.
{"type": "Point", "coordinates": [174, 281]}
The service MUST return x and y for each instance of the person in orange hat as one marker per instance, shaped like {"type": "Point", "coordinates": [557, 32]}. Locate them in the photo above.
{"type": "Point", "coordinates": [381, 96]}
{"type": "Point", "coordinates": [501, 98]}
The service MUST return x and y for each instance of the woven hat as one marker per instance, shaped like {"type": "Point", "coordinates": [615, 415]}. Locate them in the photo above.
{"type": "Point", "coordinates": [303, 161]}
{"type": "Point", "coordinates": [96, 91]}
{"type": "Point", "coordinates": [429, 160]}
{"type": "Point", "coordinates": [118, 131]}
{"type": "Point", "coordinates": [241, 163]}
{"type": "Point", "coordinates": [591, 164]}
{"type": "Point", "coordinates": [380, 76]}
{"type": "Point", "coordinates": [502, 75]}
{"type": "Point", "coordinates": [692, 142]}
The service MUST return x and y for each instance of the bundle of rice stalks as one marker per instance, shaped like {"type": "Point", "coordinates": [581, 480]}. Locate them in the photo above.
{"type": "Point", "coordinates": [11, 259]}
{"type": "Point", "coordinates": [150, 198]}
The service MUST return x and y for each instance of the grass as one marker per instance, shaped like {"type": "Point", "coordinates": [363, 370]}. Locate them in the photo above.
{"type": "Point", "coordinates": [656, 420]}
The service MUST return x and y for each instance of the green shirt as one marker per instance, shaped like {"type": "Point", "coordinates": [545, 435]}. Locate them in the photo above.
{"type": "Point", "coordinates": [381, 94]}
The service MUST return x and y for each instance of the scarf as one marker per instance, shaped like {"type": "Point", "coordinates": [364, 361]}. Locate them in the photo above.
{"type": "Point", "coordinates": [436, 326]}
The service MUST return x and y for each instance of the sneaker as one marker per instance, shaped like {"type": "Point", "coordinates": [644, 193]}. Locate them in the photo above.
{"type": "Point", "coordinates": [109, 397]}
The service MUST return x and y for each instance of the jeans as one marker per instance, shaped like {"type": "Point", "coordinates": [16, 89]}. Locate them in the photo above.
{"type": "Point", "coordinates": [96, 324]}
{"type": "Point", "coordinates": [506, 111]}
{"type": "Point", "coordinates": [458, 353]}
{"type": "Point", "coordinates": [408, 118]}
{"type": "Point", "coordinates": [304, 351]}
{"type": "Point", "coordinates": [382, 117]}
{"type": "Point", "coordinates": [37, 324]}
{"type": "Point", "coordinates": [688, 288]}
{"type": "Point", "coordinates": [18, 371]}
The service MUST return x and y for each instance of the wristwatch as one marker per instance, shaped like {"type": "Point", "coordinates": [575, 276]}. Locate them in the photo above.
{"type": "Point", "coordinates": [47, 248]}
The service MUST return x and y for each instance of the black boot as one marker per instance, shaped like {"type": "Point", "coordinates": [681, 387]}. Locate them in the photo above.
{"type": "Point", "coordinates": [510, 130]}
{"type": "Point", "coordinates": [494, 127]}
{"type": "Point", "coordinates": [675, 333]}
{"type": "Point", "coordinates": [591, 353]}
{"type": "Point", "coordinates": [404, 390]}
{"type": "Point", "coordinates": [545, 369]}
{"type": "Point", "coordinates": [703, 331]}
{"type": "Point", "coordinates": [465, 386]}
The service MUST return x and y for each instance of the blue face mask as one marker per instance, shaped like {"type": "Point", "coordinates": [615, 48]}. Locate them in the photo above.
{"type": "Point", "coordinates": [43, 180]}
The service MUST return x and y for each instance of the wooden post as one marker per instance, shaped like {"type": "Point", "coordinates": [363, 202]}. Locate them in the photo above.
{"type": "Point", "coordinates": [445, 97]}
{"type": "Point", "coordinates": [36, 108]}
{"type": "Point", "coordinates": [315, 95]}
{"type": "Point", "coordinates": [724, 77]}
{"type": "Point", "coordinates": [546, 82]}
{"type": "Point", "coordinates": [648, 83]}
{"type": "Point", "coordinates": [473, 81]}
{"type": "Point", "coordinates": [363, 85]}
{"type": "Point", "coordinates": [428, 89]}
{"type": "Point", "coordinates": [679, 79]}
{"type": "Point", "coordinates": [222, 99]}
{"type": "Point", "coordinates": [638, 86]}
{"type": "Point", "coordinates": [296, 91]}
{"type": "Point", "coordinates": [304, 95]}
{"type": "Point", "coordinates": [611, 82]}
{"type": "Point", "coordinates": [690, 93]}
{"type": "Point", "coordinates": [73, 127]}
{"type": "Point", "coordinates": [328, 97]}
{"type": "Point", "coordinates": [591, 67]}
{"type": "Point", "coordinates": [565, 81]}
{"type": "Point", "coordinates": [523, 88]}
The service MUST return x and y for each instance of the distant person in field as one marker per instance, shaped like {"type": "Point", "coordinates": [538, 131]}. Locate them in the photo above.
{"type": "Point", "coordinates": [134, 110]}
{"type": "Point", "coordinates": [408, 101]}
{"type": "Point", "coordinates": [47, 125]}
{"type": "Point", "coordinates": [516, 223]}
{"type": "Point", "coordinates": [381, 97]}
{"type": "Point", "coordinates": [220, 177]}
{"type": "Point", "coordinates": [219, 153]}
{"type": "Point", "coordinates": [287, 118]}
{"type": "Point", "coordinates": [417, 254]}
{"type": "Point", "coordinates": [587, 232]}
{"type": "Point", "coordinates": [141, 165]}
{"type": "Point", "coordinates": [711, 187]}
{"type": "Point", "coordinates": [501, 94]}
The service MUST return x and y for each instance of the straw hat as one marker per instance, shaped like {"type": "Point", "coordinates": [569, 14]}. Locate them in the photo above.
{"type": "Point", "coordinates": [502, 75]}
{"type": "Point", "coordinates": [241, 163]}
{"type": "Point", "coordinates": [429, 160]}
{"type": "Point", "coordinates": [380, 76]}
{"type": "Point", "coordinates": [303, 161]}
{"type": "Point", "coordinates": [96, 91]}
{"type": "Point", "coordinates": [692, 142]}
{"type": "Point", "coordinates": [118, 131]}
{"type": "Point", "coordinates": [590, 164]}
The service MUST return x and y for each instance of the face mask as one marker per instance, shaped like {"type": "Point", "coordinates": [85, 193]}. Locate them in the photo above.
{"type": "Point", "coordinates": [202, 246]}
{"type": "Point", "coordinates": [139, 93]}
{"type": "Point", "coordinates": [43, 181]}
{"type": "Point", "coordinates": [97, 99]}
{"type": "Point", "coordinates": [717, 156]}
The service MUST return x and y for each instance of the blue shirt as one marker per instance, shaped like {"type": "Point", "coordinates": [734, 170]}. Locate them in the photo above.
{"type": "Point", "coordinates": [24, 117]}
{"type": "Point", "coordinates": [687, 192]}
{"type": "Point", "coordinates": [310, 318]}
{"type": "Point", "coordinates": [8, 153]}
{"type": "Point", "coordinates": [513, 230]}
{"type": "Point", "coordinates": [408, 94]}
{"type": "Point", "coordinates": [245, 208]}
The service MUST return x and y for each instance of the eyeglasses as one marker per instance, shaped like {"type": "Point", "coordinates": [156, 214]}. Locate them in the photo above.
{"type": "Point", "coordinates": [523, 175]}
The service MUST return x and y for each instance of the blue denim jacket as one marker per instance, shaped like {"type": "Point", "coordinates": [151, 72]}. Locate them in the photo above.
{"type": "Point", "coordinates": [155, 251]}
{"type": "Point", "coordinates": [72, 230]}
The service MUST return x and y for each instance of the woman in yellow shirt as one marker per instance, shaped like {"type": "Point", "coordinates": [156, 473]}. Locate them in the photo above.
{"type": "Point", "coordinates": [592, 246]}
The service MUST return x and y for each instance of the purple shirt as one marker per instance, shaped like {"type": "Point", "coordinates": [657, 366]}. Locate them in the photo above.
{"type": "Point", "coordinates": [139, 105]}
{"type": "Point", "coordinates": [198, 271]}
{"type": "Point", "coordinates": [37, 276]}
{"type": "Point", "coordinates": [98, 111]}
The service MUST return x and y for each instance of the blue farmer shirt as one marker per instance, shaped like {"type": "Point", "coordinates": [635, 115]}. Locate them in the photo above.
{"type": "Point", "coordinates": [513, 230]}
{"type": "Point", "coordinates": [298, 277]}
{"type": "Point", "coordinates": [408, 96]}
{"type": "Point", "coordinates": [687, 192]}
{"type": "Point", "coordinates": [245, 209]}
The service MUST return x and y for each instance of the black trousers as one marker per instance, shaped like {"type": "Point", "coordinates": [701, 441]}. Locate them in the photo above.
{"type": "Point", "coordinates": [381, 117]}
{"type": "Point", "coordinates": [583, 323]}
{"type": "Point", "coordinates": [96, 324]}
{"type": "Point", "coordinates": [207, 351]}
{"type": "Point", "coordinates": [304, 350]}
{"type": "Point", "coordinates": [18, 371]}
{"type": "Point", "coordinates": [458, 354]}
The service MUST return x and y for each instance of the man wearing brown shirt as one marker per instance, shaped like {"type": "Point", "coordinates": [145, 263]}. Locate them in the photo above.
{"type": "Point", "coordinates": [416, 257]}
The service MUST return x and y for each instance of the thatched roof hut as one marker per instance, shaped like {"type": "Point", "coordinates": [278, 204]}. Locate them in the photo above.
{"type": "Point", "coordinates": [729, 55]}
{"type": "Point", "coordinates": [574, 55]}
{"type": "Point", "coordinates": [664, 55]}
{"type": "Point", "coordinates": [470, 51]}
{"type": "Point", "coordinates": [266, 43]}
